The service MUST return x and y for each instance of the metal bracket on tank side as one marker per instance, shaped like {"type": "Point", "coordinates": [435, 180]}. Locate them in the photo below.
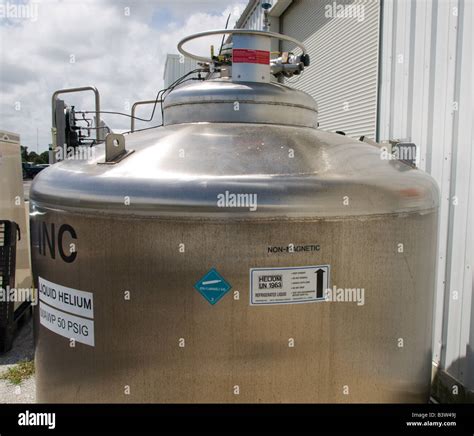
{"type": "Point", "coordinates": [115, 149]}
{"type": "Point", "coordinates": [406, 151]}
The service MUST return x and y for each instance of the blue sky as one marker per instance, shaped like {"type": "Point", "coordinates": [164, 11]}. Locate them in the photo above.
{"type": "Point", "coordinates": [118, 46]}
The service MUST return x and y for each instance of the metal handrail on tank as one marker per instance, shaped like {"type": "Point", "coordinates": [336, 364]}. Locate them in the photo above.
{"type": "Point", "coordinates": [274, 35]}
{"type": "Point", "coordinates": [80, 89]}
{"type": "Point", "coordinates": [134, 107]}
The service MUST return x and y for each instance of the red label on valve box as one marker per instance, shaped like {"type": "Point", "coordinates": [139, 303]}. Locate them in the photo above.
{"type": "Point", "coordinates": [248, 56]}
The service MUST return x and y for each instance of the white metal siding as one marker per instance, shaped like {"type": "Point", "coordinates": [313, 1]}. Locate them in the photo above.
{"type": "Point", "coordinates": [253, 19]}
{"type": "Point", "coordinates": [427, 97]}
{"type": "Point", "coordinates": [343, 73]}
{"type": "Point", "coordinates": [176, 66]}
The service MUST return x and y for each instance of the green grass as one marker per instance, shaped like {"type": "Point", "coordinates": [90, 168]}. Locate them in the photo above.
{"type": "Point", "coordinates": [19, 373]}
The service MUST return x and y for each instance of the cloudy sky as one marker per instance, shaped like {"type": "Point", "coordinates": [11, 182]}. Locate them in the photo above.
{"type": "Point", "coordinates": [118, 46]}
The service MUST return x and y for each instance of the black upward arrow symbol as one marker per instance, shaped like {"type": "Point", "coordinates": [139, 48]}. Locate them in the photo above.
{"type": "Point", "coordinates": [319, 282]}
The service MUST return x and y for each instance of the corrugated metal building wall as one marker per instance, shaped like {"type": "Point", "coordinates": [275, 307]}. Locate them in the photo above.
{"type": "Point", "coordinates": [426, 96]}
{"type": "Point", "coordinates": [176, 66]}
{"type": "Point", "coordinates": [252, 16]}
{"type": "Point", "coordinates": [343, 73]}
{"type": "Point", "coordinates": [424, 75]}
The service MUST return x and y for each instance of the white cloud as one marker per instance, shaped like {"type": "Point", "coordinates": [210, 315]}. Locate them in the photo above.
{"type": "Point", "coordinates": [123, 56]}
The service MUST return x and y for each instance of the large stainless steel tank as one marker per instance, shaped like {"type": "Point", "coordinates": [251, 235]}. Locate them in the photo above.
{"type": "Point", "coordinates": [173, 293]}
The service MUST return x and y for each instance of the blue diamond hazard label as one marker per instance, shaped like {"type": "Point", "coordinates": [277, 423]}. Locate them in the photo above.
{"type": "Point", "coordinates": [212, 286]}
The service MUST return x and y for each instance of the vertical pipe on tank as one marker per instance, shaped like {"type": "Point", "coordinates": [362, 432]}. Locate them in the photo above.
{"type": "Point", "coordinates": [251, 58]}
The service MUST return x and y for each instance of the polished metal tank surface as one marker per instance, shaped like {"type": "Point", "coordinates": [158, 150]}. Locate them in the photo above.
{"type": "Point", "coordinates": [140, 236]}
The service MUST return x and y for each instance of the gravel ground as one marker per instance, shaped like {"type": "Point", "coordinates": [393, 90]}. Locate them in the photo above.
{"type": "Point", "coordinates": [22, 350]}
